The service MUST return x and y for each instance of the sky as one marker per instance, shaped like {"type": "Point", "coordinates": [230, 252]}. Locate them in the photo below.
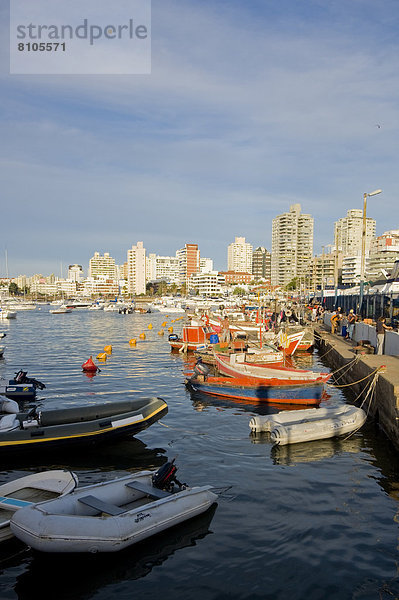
{"type": "Point", "coordinates": [250, 106]}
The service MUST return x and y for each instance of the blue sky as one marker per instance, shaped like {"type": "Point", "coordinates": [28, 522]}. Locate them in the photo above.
{"type": "Point", "coordinates": [251, 106]}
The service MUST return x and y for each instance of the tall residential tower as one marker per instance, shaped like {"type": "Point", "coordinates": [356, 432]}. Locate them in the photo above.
{"type": "Point", "coordinates": [292, 245]}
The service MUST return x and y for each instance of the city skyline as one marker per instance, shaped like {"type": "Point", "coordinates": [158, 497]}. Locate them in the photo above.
{"type": "Point", "coordinates": [284, 103]}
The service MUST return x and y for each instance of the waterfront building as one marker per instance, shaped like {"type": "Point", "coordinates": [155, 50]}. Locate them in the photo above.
{"type": "Point", "coordinates": [102, 266]}
{"type": "Point", "coordinates": [207, 284]}
{"type": "Point", "coordinates": [189, 262]}
{"type": "Point", "coordinates": [136, 269]}
{"type": "Point", "coordinates": [348, 232]}
{"type": "Point", "coordinates": [261, 264]}
{"type": "Point", "coordinates": [384, 251]}
{"type": "Point", "coordinates": [325, 270]}
{"type": "Point", "coordinates": [239, 256]}
{"type": "Point", "coordinates": [163, 268]}
{"type": "Point", "coordinates": [351, 268]}
{"type": "Point", "coordinates": [235, 277]}
{"type": "Point", "coordinates": [292, 245]}
{"type": "Point", "coordinates": [101, 286]}
{"type": "Point", "coordinates": [206, 265]}
{"type": "Point", "coordinates": [75, 273]}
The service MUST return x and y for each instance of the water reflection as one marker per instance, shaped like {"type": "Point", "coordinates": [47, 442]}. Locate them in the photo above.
{"type": "Point", "coordinates": [82, 576]}
{"type": "Point", "coordinates": [292, 454]}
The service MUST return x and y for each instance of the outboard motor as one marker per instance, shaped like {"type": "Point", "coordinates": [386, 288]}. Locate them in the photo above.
{"type": "Point", "coordinates": [165, 477]}
{"type": "Point", "coordinates": [200, 369]}
{"type": "Point", "coordinates": [21, 377]}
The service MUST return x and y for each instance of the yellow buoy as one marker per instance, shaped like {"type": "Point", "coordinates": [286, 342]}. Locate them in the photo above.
{"type": "Point", "coordinates": [149, 325]}
{"type": "Point", "coordinates": [102, 356]}
{"type": "Point", "coordinates": [161, 332]}
{"type": "Point", "coordinates": [142, 336]}
{"type": "Point", "coordinates": [133, 342]}
{"type": "Point", "coordinates": [163, 324]}
{"type": "Point", "coordinates": [108, 349]}
{"type": "Point", "coordinates": [170, 329]}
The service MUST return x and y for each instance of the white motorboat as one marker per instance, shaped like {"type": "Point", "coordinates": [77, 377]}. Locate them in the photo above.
{"type": "Point", "coordinates": [61, 310]}
{"type": "Point", "coordinates": [24, 491]}
{"type": "Point", "coordinates": [6, 313]}
{"type": "Point", "coordinates": [292, 427]}
{"type": "Point", "coordinates": [96, 307]}
{"type": "Point", "coordinates": [110, 516]}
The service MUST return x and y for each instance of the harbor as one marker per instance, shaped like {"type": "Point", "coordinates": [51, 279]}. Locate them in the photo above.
{"type": "Point", "coordinates": [281, 511]}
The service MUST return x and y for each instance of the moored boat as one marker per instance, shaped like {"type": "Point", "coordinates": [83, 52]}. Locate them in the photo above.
{"type": "Point", "coordinates": [237, 388]}
{"type": "Point", "coordinates": [307, 425]}
{"type": "Point", "coordinates": [272, 374]}
{"type": "Point", "coordinates": [110, 516]}
{"type": "Point", "coordinates": [33, 488]}
{"type": "Point", "coordinates": [37, 429]}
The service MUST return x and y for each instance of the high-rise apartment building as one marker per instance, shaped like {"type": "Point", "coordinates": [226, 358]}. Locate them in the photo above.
{"type": "Point", "coordinates": [163, 268]}
{"type": "Point", "coordinates": [384, 252]}
{"type": "Point", "coordinates": [239, 256]}
{"type": "Point", "coordinates": [348, 233]}
{"type": "Point", "coordinates": [75, 273]}
{"type": "Point", "coordinates": [136, 269]}
{"type": "Point", "coordinates": [261, 264]}
{"type": "Point", "coordinates": [102, 267]}
{"type": "Point", "coordinates": [292, 245]}
{"type": "Point", "coordinates": [189, 262]}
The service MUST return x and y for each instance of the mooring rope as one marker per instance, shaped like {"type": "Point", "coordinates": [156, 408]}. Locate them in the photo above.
{"type": "Point", "coordinates": [349, 365]}
{"type": "Point", "coordinates": [377, 370]}
{"type": "Point", "coordinates": [371, 394]}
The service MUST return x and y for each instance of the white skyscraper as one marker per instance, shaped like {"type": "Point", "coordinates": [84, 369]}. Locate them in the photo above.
{"type": "Point", "coordinates": [348, 233]}
{"type": "Point", "coordinates": [102, 266]}
{"type": "Point", "coordinates": [239, 256]}
{"type": "Point", "coordinates": [292, 245]}
{"type": "Point", "coordinates": [136, 271]}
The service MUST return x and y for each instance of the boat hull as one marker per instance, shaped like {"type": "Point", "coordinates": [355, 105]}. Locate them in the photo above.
{"type": "Point", "coordinates": [268, 375]}
{"type": "Point", "coordinates": [309, 425]}
{"type": "Point", "coordinates": [34, 488]}
{"type": "Point", "coordinates": [74, 526]}
{"type": "Point", "coordinates": [82, 426]}
{"type": "Point", "coordinates": [271, 394]}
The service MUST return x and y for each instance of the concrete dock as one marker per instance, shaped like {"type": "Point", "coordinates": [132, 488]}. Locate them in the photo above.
{"type": "Point", "coordinates": [356, 374]}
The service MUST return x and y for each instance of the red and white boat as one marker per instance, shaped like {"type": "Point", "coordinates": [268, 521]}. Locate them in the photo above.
{"type": "Point", "coordinates": [232, 366]}
{"type": "Point", "coordinates": [194, 337]}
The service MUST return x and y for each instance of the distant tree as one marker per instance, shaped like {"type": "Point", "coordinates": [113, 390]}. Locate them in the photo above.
{"type": "Point", "coordinates": [13, 289]}
{"type": "Point", "coordinates": [238, 291]}
{"type": "Point", "coordinates": [292, 285]}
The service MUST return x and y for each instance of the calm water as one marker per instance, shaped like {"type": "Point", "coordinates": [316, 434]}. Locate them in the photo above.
{"type": "Point", "coordinates": [310, 521]}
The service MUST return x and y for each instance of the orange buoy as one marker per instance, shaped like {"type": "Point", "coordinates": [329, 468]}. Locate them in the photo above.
{"type": "Point", "coordinates": [161, 332]}
{"type": "Point", "coordinates": [133, 342]}
{"type": "Point", "coordinates": [150, 326]}
{"type": "Point", "coordinates": [89, 365]}
{"type": "Point", "coordinates": [163, 324]}
{"type": "Point", "coordinates": [108, 349]}
{"type": "Point", "coordinates": [142, 336]}
{"type": "Point", "coordinates": [170, 329]}
{"type": "Point", "coordinates": [102, 356]}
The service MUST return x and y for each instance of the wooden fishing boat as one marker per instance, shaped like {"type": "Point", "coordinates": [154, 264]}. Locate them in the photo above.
{"type": "Point", "coordinates": [39, 430]}
{"type": "Point", "coordinates": [24, 491]}
{"type": "Point", "coordinates": [271, 375]}
{"type": "Point", "coordinates": [193, 338]}
{"type": "Point", "coordinates": [110, 516]}
{"type": "Point", "coordinates": [307, 425]}
{"type": "Point", "coordinates": [270, 392]}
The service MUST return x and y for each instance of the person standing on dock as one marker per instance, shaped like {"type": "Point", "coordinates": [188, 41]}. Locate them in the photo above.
{"type": "Point", "coordinates": [225, 332]}
{"type": "Point", "coordinates": [335, 319]}
{"type": "Point", "coordinates": [351, 324]}
{"type": "Point", "coordinates": [381, 329]}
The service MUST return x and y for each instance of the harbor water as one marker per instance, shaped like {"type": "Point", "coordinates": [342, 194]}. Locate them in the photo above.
{"type": "Point", "coordinates": [313, 521]}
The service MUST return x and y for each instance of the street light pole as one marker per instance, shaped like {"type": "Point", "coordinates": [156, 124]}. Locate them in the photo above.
{"type": "Point", "coordinates": [363, 256]}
